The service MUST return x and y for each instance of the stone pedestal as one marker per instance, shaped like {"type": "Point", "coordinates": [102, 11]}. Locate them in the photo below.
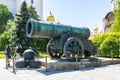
{"type": "Point", "coordinates": [55, 65]}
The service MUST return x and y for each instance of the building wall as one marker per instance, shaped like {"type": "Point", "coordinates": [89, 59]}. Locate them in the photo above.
{"type": "Point", "coordinates": [109, 19]}
{"type": "Point", "coordinates": [14, 6]}
{"type": "Point", "coordinates": [114, 4]}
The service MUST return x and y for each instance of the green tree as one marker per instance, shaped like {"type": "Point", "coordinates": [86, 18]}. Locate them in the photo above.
{"type": "Point", "coordinates": [108, 43]}
{"type": "Point", "coordinates": [7, 36]}
{"type": "Point", "coordinates": [21, 25]}
{"type": "Point", "coordinates": [25, 14]}
{"type": "Point", "coordinates": [99, 39]}
{"type": "Point", "coordinates": [116, 26]}
{"type": "Point", "coordinates": [33, 13]}
{"type": "Point", "coordinates": [5, 15]}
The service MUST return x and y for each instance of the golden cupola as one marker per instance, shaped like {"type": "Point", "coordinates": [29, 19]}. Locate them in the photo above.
{"type": "Point", "coordinates": [96, 30]}
{"type": "Point", "coordinates": [51, 17]}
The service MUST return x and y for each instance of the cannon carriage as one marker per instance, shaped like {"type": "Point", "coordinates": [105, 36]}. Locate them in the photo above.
{"type": "Point", "coordinates": [65, 39]}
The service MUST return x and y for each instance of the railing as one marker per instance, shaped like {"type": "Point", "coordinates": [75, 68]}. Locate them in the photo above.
{"type": "Point", "coordinates": [77, 63]}
{"type": "Point", "coordinates": [13, 62]}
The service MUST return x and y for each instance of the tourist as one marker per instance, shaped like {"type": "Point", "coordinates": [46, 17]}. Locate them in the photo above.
{"type": "Point", "coordinates": [7, 52]}
{"type": "Point", "coordinates": [20, 50]}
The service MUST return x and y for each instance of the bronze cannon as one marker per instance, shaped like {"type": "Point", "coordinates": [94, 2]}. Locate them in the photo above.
{"type": "Point", "coordinates": [65, 39]}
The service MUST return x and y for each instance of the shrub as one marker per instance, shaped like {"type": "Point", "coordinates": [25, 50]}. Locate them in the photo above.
{"type": "Point", "coordinates": [107, 44]}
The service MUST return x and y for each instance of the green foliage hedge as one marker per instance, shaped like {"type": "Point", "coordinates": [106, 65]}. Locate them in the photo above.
{"type": "Point", "coordinates": [108, 43]}
{"type": "Point", "coordinates": [7, 36]}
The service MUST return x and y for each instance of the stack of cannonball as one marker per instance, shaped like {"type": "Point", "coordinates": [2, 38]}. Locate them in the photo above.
{"type": "Point", "coordinates": [28, 60]}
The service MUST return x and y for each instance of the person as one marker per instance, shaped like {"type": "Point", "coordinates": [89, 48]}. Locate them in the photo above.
{"type": "Point", "coordinates": [7, 52]}
{"type": "Point", "coordinates": [20, 50]}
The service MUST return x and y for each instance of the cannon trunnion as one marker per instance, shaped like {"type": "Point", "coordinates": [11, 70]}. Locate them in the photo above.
{"type": "Point", "coordinates": [65, 39]}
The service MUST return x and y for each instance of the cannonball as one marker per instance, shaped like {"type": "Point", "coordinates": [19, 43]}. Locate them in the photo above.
{"type": "Point", "coordinates": [34, 64]}
{"type": "Point", "coordinates": [28, 54]}
{"type": "Point", "coordinates": [20, 64]}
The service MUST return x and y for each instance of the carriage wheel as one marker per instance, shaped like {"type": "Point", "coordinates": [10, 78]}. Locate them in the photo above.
{"type": "Point", "coordinates": [52, 51]}
{"type": "Point", "coordinates": [72, 47]}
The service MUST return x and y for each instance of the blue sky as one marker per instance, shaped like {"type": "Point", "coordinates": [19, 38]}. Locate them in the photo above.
{"type": "Point", "coordinates": [80, 13]}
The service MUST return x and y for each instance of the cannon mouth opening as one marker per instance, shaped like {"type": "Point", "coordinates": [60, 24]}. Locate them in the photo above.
{"type": "Point", "coordinates": [29, 29]}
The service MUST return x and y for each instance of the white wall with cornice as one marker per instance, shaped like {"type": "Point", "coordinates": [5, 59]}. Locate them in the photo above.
{"type": "Point", "coordinates": [14, 6]}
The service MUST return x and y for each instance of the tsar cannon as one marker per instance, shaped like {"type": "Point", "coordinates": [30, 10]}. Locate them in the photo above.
{"type": "Point", "coordinates": [65, 39]}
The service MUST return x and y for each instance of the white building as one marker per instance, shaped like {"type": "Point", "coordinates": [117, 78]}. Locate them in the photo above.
{"type": "Point", "coordinates": [114, 4]}
{"type": "Point", "coordinates": [14, 6]}
{"type": "Point", "coordinates": [109, 17]}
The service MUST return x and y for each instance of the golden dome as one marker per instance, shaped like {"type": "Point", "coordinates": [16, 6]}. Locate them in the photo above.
{"type": "Point", "coordinates": [112, 1]}
{"type": "Point", "coordinates": [51, 17]}
{"type": "Point", "coordinates": [96, 29]}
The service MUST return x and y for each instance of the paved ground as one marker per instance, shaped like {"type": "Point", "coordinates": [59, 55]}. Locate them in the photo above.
{"type": "Point", "coordinates": [110, 72]}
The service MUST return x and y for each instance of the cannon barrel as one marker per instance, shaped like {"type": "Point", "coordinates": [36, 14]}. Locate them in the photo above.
{"type": "Point", "coordinates": [45, 29]}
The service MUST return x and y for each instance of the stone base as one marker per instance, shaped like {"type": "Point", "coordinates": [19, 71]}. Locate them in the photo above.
{"type": "Point", "coordinates": [83, 63]}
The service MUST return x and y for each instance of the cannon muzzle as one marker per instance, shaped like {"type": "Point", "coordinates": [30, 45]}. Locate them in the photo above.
{"type": "Point", "coordinates": [31, 28]}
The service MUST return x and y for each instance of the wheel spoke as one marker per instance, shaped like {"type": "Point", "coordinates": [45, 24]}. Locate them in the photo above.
{"type": "Point", "coordinates": [73, 55]}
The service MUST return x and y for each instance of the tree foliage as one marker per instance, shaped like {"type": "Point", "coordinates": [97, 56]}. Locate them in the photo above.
{"type": "Point", "coordinates": [21, 25]}
{"type": "Point", "coordinates": [7, 36]}
{"type": "Point", "coordinates": [41, 44]}
{"type": "Point", "coordinates": [99, 39]}
{"type": "Point", "coordinates": [108, 43]}
{"type": "Point", "coordinates": [33, 13]}
{"type": "Point", "coordinates": [116, 26]}
{"type": "Point", "coordinates": [5, 15]}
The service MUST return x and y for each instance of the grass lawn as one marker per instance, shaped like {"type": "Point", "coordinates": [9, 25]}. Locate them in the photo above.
{"type": "Point", "coordinates": [43, 55]}
{"type": "Point", "coordinates": [2, 56]}
{"type": "Point", "coordinates": [2, 52]}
